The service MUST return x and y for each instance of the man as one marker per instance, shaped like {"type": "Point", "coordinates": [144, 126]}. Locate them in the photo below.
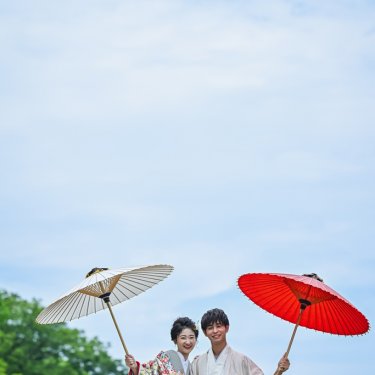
{"type": "Point", "coordinates": [221, 359]}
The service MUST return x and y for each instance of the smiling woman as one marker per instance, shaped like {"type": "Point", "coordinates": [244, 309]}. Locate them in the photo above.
{"type": "Point", "coordinates": [184, 334]}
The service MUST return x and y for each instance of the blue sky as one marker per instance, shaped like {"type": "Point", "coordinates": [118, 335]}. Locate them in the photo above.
{"type": "Point", "coordinates": [221, 137]}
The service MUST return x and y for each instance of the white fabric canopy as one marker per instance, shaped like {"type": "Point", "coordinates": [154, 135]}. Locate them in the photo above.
{"type": "Point", "coordinates": [88, 297]}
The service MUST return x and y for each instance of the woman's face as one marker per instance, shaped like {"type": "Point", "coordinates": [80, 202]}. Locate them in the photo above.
{"type": "Point", "coordinates": [186, 341]}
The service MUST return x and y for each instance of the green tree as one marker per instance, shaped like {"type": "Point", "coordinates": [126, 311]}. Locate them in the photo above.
{"type": "Point", "coordinates": [27, 348]}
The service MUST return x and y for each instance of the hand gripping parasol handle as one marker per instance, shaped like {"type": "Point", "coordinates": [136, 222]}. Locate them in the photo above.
{"type": "Point", "coordinates": [117, 328]}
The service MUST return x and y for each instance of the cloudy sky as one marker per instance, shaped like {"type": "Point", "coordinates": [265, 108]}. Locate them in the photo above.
{"type": "Point", "coordinates": [220, 137]}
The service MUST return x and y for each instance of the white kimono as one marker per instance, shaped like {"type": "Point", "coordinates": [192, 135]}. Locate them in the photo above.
{"type": "Point", "coordinates": [229, 362]}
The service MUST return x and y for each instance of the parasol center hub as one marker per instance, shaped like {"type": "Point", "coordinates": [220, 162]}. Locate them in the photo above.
{"type": "Point", "coordinates": [313, 276]}
{"type": "Point", "coordinates": [105, 297]}
{"type": "Point", "coordinates": [304, 303]}
{"type": "Point", "coordinates": [95, 270]}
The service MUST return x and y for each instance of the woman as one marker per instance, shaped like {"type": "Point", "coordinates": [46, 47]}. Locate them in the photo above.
{"type": "Point", "coordinates": [184, 334]}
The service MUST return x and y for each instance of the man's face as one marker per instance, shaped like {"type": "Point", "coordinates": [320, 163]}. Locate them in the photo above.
{"type": "Point", "coordinates": [216, 332]}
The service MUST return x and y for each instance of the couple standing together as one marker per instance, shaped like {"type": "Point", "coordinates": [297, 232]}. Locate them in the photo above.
{"type": "Point", "coordinates": [220, 359]}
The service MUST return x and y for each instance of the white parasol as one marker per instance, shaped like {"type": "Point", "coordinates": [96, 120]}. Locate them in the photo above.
{"type": "Point", "coordinates": [103, 288]}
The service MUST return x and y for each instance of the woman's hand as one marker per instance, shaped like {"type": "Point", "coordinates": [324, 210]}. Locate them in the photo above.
{"type": "Point", "coordinates": [131, 363]}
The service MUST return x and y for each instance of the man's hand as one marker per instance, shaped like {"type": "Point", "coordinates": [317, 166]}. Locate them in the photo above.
{"type": "Point", "coordinates": [283, 365]}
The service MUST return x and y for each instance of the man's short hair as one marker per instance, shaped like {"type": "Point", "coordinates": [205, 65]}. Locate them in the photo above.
{"type": "Point", "coordinates": [214, 316]}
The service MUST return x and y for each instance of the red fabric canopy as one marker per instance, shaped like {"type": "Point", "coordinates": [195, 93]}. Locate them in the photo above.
{"type": "Point", "coordinates": [324, 309]}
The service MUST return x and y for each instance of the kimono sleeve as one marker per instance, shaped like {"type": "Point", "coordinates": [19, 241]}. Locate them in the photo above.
{"type": "Point", "coordinates": [250, 368]}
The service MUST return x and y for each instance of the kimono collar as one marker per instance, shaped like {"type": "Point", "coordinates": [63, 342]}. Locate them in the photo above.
{"type": "Point", "coordinates": [185, 362]}
{"type": "Point", "coordinates": [215, 366]}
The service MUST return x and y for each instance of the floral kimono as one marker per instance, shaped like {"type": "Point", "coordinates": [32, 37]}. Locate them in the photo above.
{"type": "Point", "coordinates": [165, 363]}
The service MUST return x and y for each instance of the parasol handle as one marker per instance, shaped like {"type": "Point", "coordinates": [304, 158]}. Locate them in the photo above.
{"type": "Point", "coordinates": [294, 333]}
{"type": "Point", "coordinates": [304, 304]}
{"type": "Point", "coordinates": [117, 328]}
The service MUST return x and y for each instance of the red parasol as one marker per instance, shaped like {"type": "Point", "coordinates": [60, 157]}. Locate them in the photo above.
{"type": "Point", "coordinates": [304, 300]}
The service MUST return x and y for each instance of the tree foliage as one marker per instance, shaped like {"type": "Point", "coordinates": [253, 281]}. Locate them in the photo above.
{"type": "Point", "coordinates": [27, 348]}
